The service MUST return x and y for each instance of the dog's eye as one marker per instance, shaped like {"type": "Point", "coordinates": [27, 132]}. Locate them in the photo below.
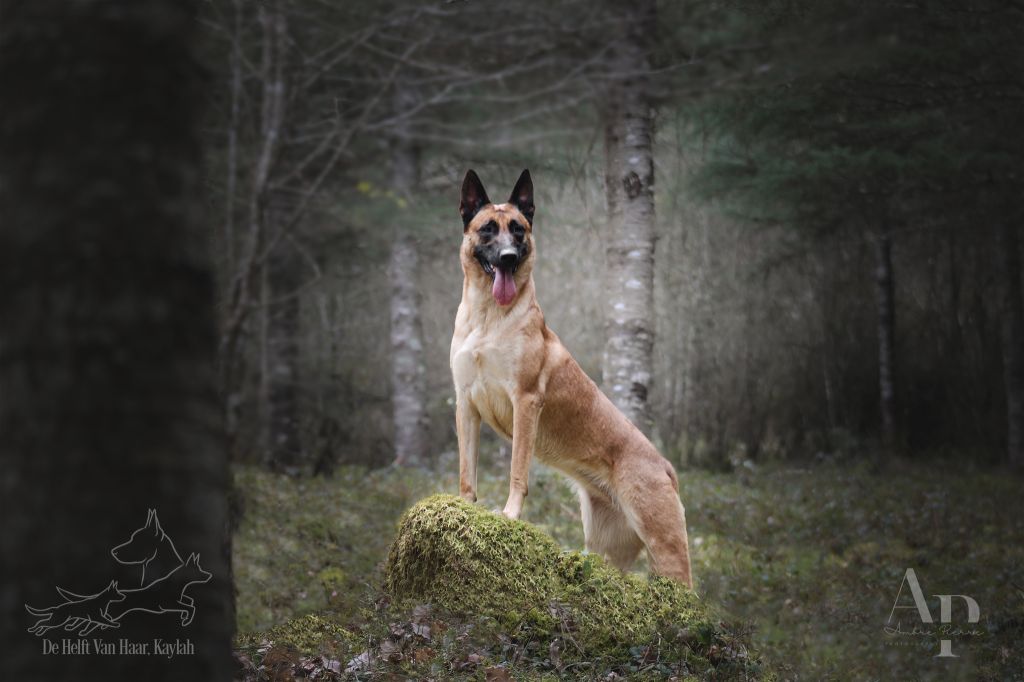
{"type": "Point", "coordinates": [488, 230]}
{"type": "Point", "coordinates": [518, 231]}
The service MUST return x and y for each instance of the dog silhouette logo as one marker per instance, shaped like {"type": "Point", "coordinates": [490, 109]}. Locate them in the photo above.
{"type": "Point", "coordinates": [84, 614]}
{"type": "Point", "coordinates": [164, 581]}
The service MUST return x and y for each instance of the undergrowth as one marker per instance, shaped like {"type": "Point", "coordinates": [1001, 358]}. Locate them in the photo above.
{"type": "Point", "coordinates": [809, 558]}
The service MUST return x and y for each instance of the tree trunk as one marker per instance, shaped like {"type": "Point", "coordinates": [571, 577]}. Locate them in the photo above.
{"type": "Point", "coordinates": [702, 376]}
{"type": "Point", "coordinates": [240, 301]}
{"type": "Point", "coordinates": [629, 268]}
{"type": "Point", "coordinates": [284, 279]}
{"type": "Point", "coordinates": [231, 392]}
{"type": "Point", "coordinates": [281, 270]}
{"type": "Point", "coordinates": [886, 336]}
{"type": "Point", "coordinates": [108, 402]}
{"type": "Point", "coordinates": [1013, 341]}
{"type": "Point", "coordinates": [408, 378]}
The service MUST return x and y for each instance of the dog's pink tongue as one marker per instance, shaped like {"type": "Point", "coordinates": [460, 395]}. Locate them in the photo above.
{"type": "Point", "coordinates": [504, 288]}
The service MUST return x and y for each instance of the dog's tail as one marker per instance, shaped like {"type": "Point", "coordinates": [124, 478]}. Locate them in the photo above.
{"type": "Point", "coordinates": [40, 612]}
{"type": "Point", "coordinates": [71, 596]}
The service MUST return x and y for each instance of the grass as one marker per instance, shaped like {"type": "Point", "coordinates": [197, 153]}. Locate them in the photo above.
{"type": "Point", "coordinates": [812, 556]}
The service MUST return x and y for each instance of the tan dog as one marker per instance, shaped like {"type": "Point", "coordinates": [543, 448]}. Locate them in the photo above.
{"type": "Point", "coordinates": [512, 372]}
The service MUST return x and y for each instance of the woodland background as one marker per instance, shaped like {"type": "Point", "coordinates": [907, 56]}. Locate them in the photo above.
{"type": "Point", "coordinates": [783, 236]}
{"type": "Point", "coordinates": [826, 210]}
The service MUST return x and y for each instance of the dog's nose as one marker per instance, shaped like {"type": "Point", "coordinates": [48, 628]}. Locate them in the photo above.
{"type": "Point", "coordinates": [508, 258]}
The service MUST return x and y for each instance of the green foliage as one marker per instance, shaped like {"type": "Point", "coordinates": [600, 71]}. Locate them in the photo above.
{"type": "Point", "coordinates": [815, 556]}
{"type": "Point", "coordinates": [306, 545]}
{"type": "Point", "coordinates": [863, 109]}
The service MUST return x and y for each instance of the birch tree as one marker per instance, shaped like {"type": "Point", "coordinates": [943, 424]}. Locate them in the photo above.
{"type": "Point", "coordinates": [408, 381]}
{"type": "Point", "coordinates": [630, 241]}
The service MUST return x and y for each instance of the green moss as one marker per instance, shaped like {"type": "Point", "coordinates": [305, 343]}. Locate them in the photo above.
{"type": "Point", "coordinates": [308, 634]}
{"type": "Point", "coordinates": [333, 579]}
{"type": "Point", "coordinates": [469, 561]}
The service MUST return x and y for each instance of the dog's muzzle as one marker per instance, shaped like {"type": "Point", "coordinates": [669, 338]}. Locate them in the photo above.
{"type": "Point", "coordinates": [508, 258]}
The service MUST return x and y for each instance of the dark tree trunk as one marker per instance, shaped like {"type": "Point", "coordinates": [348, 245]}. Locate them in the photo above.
{"type": "Point", "coordinates": [408, 377]}
{"type": "Point", "coordinates": [1013, 341]}
{"type": "Point", "coordinates": [281, 271]}
{"type": "Point", "coordinates": [886, 309]}
{"type": "Point", "coordinates": [108, 402]}
{"type": "Point", "coordinates": [232, 392]}
{"type": "Point", "coordinates": [284, 279]}
{"type": "Point", "coordinates": [249, 275]}
{"type": "Point", "coordinates": [629, 268]}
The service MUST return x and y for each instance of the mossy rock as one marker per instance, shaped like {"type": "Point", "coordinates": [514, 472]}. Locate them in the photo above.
{"type": "Point", "coordinates": [475, 563]}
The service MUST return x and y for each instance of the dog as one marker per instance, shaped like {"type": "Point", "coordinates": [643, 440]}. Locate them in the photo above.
{"type": "Point", "coordinates": [166, 595]}
{"type": "Point", "coordinates": [513, 373]}
{"type": "Point", "coordinates": [87, 612]}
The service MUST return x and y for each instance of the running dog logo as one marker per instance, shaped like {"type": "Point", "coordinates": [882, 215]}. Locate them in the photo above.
{"type": "Point", "coordinates": [163, 582]}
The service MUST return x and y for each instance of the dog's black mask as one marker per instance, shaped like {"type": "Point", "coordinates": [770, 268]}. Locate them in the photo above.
{"type": "Point", "coordinates": [500, 249]}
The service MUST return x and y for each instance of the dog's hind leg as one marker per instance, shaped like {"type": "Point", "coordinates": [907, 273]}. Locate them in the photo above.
{"type": "Point", "coordinates": [649, 496]}
{"type": "Point", "coordinates": [40, 626]}
{"type": "Point", "coordinates": [606, 529]}
{"type": "Point", "coordinates": [43, 629]}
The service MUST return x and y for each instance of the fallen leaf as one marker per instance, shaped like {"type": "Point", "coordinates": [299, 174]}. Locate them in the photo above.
{"type": "Point", "coordinates": [360, 662]}
{"type": "Point", "coordinates": [391, 650]}
{"type": "Point", "coordinates": [331, 664]}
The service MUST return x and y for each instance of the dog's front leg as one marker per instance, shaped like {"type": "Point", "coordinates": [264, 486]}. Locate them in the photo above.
{"type": "Point", "coordinates": [525, 415]}
{"type": "Point", "coordinates": [467, 425]}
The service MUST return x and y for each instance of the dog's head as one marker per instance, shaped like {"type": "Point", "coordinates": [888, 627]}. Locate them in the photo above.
{"type": "Point", "coordinates": [144, 543]}
{"type": "Point", "coordinates": [497, 244]}
{"type": "Point", "coordinates": [112, 592]}
{"type": "Point", "coordinates": [192, 572]}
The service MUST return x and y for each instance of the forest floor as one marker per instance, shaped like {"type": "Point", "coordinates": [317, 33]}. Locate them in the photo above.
{"type": "Point", "coordinates": [812, 557]}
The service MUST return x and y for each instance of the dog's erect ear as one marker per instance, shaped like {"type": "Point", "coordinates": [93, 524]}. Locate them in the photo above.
{"type": "Point", "coordinates": [522, 195]}
{"type": "Point", "coordinates": [474, 197]}
{"type": "Point", "coordinates": [149, 517]}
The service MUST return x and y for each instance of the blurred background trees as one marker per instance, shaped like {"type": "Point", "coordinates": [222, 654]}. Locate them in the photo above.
{"type": "Point", "coordinates": [767, 230]}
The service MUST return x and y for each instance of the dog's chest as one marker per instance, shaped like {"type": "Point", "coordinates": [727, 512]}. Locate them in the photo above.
{"type": "Point", "coordinates": [484, 372]}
